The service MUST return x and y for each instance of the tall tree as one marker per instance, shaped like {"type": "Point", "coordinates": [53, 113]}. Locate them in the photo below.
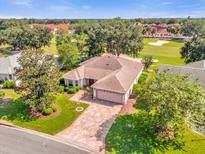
{"type": "Point", "coordinates": [82, 41]}
{"type": "Point", "coordinates": [113, 36]}
{"type": "Point", "coordinates": [24, 37]}
{"type": "Point", "coordinates": [71, 48]}
{"type": "Point", "coordinates": [39, 79]}
{"type": "Point", "coordinates": [69, 55]}
{"type": "Point", "coordinates": [174, 29]}
{"type": "Point", "coordinates": [32, 38]}
{"type": "Point", "coordinates": [171, 99]}
{"type": "Point", "coordinates": [194, 48]}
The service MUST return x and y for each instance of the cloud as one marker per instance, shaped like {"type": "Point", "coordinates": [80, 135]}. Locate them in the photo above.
{"type": "Point", "coordinates": [165, 3]}
{"type": "Point", "coordinates": [59, 8]}
{"type": "Point", "coordinates": [86, 7]}
{"type": "Point", "coordinates": [21, 2]}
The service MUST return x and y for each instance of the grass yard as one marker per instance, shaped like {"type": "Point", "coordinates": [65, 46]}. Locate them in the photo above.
{"type": "Point", "coordinates": [166, 54]}
{"type": "Point", "coordinates": [10, 93]}
{"type": "Point", "coordinates": [52, 48]}
{"type": "Point", "coordinates": [18, 114]}
{"type": "Point", "coordinates": [123, 139]}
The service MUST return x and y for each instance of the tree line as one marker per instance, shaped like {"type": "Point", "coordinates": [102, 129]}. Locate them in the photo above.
{"type": "Point", "coordinates": [21, 36]}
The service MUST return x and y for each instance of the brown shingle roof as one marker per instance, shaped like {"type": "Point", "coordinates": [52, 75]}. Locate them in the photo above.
{"type": "Point", "coordinates": [195, 71]}
{"type": "Point", "coordinates": [112, 73]}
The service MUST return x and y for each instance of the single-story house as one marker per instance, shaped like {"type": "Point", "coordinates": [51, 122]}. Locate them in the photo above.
{"type": "Point", "coordinates": [195, 71]}
{"type": "Point", "coordinates": [110, 77]}
{"type": "Point", "coordinates": [8, 66]}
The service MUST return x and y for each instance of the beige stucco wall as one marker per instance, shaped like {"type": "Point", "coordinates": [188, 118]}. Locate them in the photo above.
{"type": "Point", "coordinates": [5, 77]}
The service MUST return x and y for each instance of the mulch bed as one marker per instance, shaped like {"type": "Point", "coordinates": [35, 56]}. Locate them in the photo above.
{"type": "Point", "coordinates": [128, 108]}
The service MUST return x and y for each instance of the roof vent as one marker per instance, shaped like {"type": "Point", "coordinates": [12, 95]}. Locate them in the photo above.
{"type": "Point", "coordinates": [107, 64]}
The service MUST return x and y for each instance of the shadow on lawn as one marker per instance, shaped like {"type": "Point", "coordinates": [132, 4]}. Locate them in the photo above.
{"type": "Point", "coordinates": [15, 110]}
{"type": "Point", "coordinates": [134, 134]}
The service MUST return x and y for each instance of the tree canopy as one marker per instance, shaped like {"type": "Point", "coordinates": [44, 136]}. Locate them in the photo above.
{"type": "Point", "coordinates": [38, 76]}
{"type": "Point", "coordinates": [194, 48]}
{"type": "Point", "coordinates": [71, 48]}
{"type": "Point", "coordinates": [113, 36]}
{"type": "Point", "coordinates": [172, 99]}
{"type": "Point", "coordinates": [21, 37]}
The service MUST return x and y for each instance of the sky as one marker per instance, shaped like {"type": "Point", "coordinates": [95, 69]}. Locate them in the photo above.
{"type": "Point", "coordinates": [75, 9]}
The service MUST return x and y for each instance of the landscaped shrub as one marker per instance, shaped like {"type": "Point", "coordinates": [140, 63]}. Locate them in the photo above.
{"type": "Point", "coordinates": [155, 67]}
{"type": "Point", "coordinates": [2, 94]}
{"type": "Point", "coordinates": [9, 84]}
{"type": "Point", "coordinates": [72, 90]}
{"type": "Point", "coordinates": [5, 117]}
{"type": "Point", "coordinates": [143, 77]}
{"type": "Point", "coordinates": [147, 61]}
{"type": "Point", "coordinates": [54, 108]}
{"type": "Point", "coordinates": [47, 111]}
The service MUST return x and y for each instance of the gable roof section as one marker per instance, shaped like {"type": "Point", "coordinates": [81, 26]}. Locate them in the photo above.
{"type": "Point", "coordinates": [112, 73]}
{"type": "Point", "coordinates": [199, 64]}
{"type": "Point", "coordinates": [194, 73]}
{"type": "Point", "coordinates": [8, 64]}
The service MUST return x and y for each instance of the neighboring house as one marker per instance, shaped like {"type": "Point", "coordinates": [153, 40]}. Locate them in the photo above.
{"type": "Point", "coordinates": [8, 66]}
{"type": "Point", "coordinates": [54, 27]}
{"type": "Point", "coordinates": [195, 71]}
{"type": "Point", "coordinates": [110, 77]}
{"type": "Point", "coordinates": [160, 30]}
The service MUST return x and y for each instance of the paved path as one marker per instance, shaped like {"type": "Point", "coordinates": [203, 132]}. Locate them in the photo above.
{"type": "Point", "coordinates": [93, 124]}
{"type": "Point", "coordinates": [24, 141]}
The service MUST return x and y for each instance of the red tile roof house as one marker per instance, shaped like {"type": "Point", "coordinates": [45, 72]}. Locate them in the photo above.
{"type": "Point", "coordinates": [160, 30]}
{"type": "Point", "coordinates": [54, 27]}
{"type": "Point", "coordinates": [110, 77]}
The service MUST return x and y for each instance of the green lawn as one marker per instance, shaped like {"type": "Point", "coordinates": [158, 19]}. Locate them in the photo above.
{"type": "Point", "coordinates": [166, 54]}
{"type": "Point", "coordinates": [18, 114]}
{"type": "Point", "coordinates": [10, 93]}
{"type": "Point", "coordinates": [122, 139]}
{"type": "Point", "coordinates": [52, 47]}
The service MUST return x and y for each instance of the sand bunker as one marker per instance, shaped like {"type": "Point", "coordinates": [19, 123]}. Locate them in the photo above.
{"type": "Point", "coordinates": [158, 43]}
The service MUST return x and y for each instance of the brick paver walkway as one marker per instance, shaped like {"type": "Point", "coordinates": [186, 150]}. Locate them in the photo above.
{"type": "Point", "coordinates": [93, 124]}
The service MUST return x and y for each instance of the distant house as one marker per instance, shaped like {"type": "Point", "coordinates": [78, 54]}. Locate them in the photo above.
{"type": "Point", "coordinates": [8, 66]}
{"type": "Point", "coordinates": [111, 78]}
{"type": "Point", "coordinates": [195, 71]}
{"type": "Point", "coordinates": [54, 27]}
{"type": "Point", "coordinates": [160, 30]}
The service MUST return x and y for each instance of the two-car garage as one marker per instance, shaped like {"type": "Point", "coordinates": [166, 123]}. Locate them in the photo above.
{"type": "Point", "coordinates": [108, 96]}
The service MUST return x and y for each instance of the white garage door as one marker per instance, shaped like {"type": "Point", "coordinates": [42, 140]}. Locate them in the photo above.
{"type": "Point", "coordinates": [109, 96]}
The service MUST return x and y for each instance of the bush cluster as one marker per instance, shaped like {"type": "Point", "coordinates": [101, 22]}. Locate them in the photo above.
{"type": "Point", "coordinates": [2, 94]}
{"type": "Point", "coordinates": [72, 90]}
{"type": "Point", "coordinates": [143, 77]}
{"type": "Point", "coordinates": [9, 84]}
{"type": "Point", "coordinates": [50, 110]}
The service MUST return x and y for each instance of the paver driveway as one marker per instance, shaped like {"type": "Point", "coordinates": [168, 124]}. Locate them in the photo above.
{"type": "Point", "coordinates": [93, 124]}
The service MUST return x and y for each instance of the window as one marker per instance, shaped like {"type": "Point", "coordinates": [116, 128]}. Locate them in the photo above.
{"type": "Point", "coordinates": [10, 77]}
{"type": "Point", "coordinates": [70, 83]}
{"type": "Point", "coordinates": [76, 83]}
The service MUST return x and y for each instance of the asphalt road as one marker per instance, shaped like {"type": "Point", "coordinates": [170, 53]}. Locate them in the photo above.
{"type": "Point", "coordinates": [23, 141]}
